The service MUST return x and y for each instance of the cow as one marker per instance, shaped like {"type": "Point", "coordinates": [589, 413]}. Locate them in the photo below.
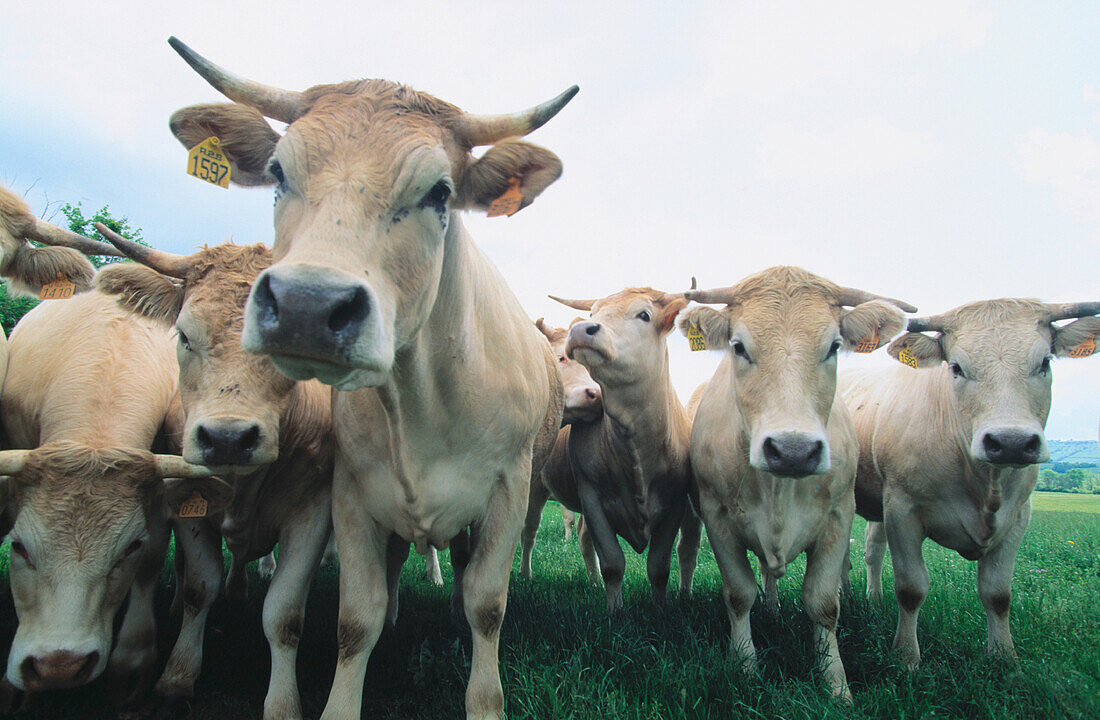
{"type": "Point", "coordinates": [268, 436]}
{"type": "Point", "coordinates": [630, 467]}
{"type": "Point", "coordinates": [950, 446]}
{"type": "Point", "coordinates": [449, 396]}
{"type": "Point", "coordinates": [87, 394]}
{"type": "Point", "coordinates": [582, 404]}
{"type": "Point", "coordinates": [773, 456]}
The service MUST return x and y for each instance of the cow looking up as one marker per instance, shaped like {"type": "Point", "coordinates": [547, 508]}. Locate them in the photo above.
{"type": "Point", "coordinates": [377, 285]}
{"type": "Point", "coordinates": [772, 455]}
{"type": "Point", "coordinates": [631, 465]}
{"type": "Point", "coordinates": [950, 446]}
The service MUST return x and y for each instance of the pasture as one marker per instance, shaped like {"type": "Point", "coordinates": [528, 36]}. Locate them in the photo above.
{"type": "Point", "coordinates": [563, 657]}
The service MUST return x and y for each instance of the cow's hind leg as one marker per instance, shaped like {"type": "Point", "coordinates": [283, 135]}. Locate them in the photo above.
{"type": "Point", "coordinates": [874, 550]}
{"type": "Point", "coordinates": [397, 552]}
{"type": "Point", "coordinates": [301, 546]}
{"type": "Point", "coordinates": [995, 587]}
{"type": "Point", "coordinates": [535, 503]}
{"type": "Point", "coordinates": [771, 591]}
{"type": "Point", "coordinates": [588, 551]}
{"type": "Point", "coordinates": [432, 571]}
{"type": "Point", "coordinates": [687, 549]}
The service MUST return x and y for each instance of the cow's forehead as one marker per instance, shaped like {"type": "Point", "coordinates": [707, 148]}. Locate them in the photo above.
{"type": "Point", "coordinates": [624, 300]}
{"type": "Point", "coordinates": [74, 515]}
{"type": "Point", "coordinates": [1003, 327]}
{"type": "Point", "coordinates": [218, 282]}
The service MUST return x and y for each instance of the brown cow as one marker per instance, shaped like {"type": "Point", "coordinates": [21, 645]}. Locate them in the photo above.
{"type": "Point", "coordinates": [950, 446]}
{"type": "Point", "coordinates": [86, 512]}
{"type": "Point", "coordinates": [630, 467]}
{"type": "Point", "coordinates": [772, 455]}
{"type": "Point", "coordinates": [270, 437]}
{"type": "Point", "coordinates": [376, 285]}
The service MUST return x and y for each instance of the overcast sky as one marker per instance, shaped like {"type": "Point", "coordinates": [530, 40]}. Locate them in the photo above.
{"type": "Point", "coordinates": [940, 151]}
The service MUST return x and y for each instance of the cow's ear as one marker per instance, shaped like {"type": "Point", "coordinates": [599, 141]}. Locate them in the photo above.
{"type": "Point", "coordinates": [492, 175]}
{"type": "Point", "coordinates": [243, 135]}
{"type": "Point", "coordinates": [28, 268]}
{"type": "Point", "coordinates": [870, 323]}
{"type": "Point", "coordinates": [714, 324]}
{"type": "Point", "coordinates": [670, 307]}
{"type": "Point", "coordinates": [142, 290]}
{"type": "Point", "coordinates": [917, 348]}
{"type": "Point", "coordinates": [1078, 339]}
{"type": "Point", "coordinates": [212, 495]}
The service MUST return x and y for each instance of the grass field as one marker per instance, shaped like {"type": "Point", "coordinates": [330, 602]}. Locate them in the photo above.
{"type": "Point", "coordinates": [1065, 502]}
{"type": "Point", "coordinates": [563, 657]}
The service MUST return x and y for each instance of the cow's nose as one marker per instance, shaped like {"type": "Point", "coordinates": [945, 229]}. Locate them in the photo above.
{"type": "Point", "coordinates": [793, 454]}
{"type": "Point", "coordinates": [58, 669]}
{"type": "Point", "coordinates": [295, 309]}
{"type": "Point", "coordinates": [229, 442]}
{"type": "Point", "coordinates": [591, 328]}
{"type": "Point", "coordinates": [1012, 447]}
{"type": "Point", "coordinates": [593, 393]}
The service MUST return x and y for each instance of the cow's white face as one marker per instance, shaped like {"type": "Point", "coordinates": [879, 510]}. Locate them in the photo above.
{"type": "Point", "coordinates": [997, 358]}
{"type": "Point", "coordinates": [783, 335]}
{"type": "Point", "coordinates": [583, 396]}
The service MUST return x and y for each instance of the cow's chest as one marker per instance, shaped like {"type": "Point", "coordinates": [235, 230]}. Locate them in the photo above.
{"type": "Point", "coordinates": [968, 528]}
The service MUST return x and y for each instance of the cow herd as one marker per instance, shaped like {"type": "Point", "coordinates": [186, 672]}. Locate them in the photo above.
{"type": "Point", "coordinates": [373, 379]}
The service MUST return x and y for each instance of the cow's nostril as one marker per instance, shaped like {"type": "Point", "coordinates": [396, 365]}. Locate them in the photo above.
{"type": "Point", "coordinates": [1032, 445]}
{"type": "Point", "coordinates": [592, 329]}
{"type": "Point", "coordinates": [814, 458]}
{"type": "Point", "coordinates": [351, 312]}
{"type": "Point", "coordinates": [249, 438]}
{"type": "Point", "coordinates": [992, 446]}
{"type": "Point", "coordinates": [205, 440]}
{"type": "Point", "coordinates": [265, 300]}
{"type": "Point", "coordinates": [771, 452]}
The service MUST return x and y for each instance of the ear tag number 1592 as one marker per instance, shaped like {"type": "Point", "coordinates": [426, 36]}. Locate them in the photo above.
{"type": "Point", "coordinates": [206, 161]}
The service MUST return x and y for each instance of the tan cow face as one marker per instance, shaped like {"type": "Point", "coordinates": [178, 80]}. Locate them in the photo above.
{"type": "Point", "coordinates": [624, 340]}
{"type": "Point", "coordinates": [82, 520]}
{"type": "Point", "coordinates": [368, 178]}
{"type": "Point", "coordinates": [233, 400]}
{"type": "Point", "coordinates": [583, 397]}
{"type": "Point", "coordinates": [783, 330]}
{"type": "Point", "coordinates": [998, 355]}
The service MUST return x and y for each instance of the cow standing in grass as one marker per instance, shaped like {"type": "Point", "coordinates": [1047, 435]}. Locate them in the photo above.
{"type": "Point", "coordinates": [450, 399]}
{"type": "Point", "coordinates": [950, 447]}
{"type": "Point", "coordinates": [773, 454]}
{"type": "Point", "coordinates": [630, 467]}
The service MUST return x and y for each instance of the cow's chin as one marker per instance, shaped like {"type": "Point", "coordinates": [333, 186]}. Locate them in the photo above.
{"type": "Point", "coordinates": [340, 377]}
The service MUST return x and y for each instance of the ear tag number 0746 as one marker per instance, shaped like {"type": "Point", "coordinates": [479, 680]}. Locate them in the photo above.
{"type": "Point", "coordinates": [193, 507]}
{"type": "Point", "coordinates": [206, 161]}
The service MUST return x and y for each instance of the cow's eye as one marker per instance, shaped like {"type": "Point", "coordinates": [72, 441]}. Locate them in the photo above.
{"type": "Point", "coordinates": [21, 550]}
{"type": "Point", "coordinates": [276, 171]}
{"type": "Point", "coordinates": [957, 371]}
{"type": "Point", "coordinates": [740, 351]}
{"type": "Point", "coordinates": [561, 359]}
{"type": "Point", "coordinates": [184, 341]}
{"type": "Point", "coordinates": [644, 316]}
{"type": "Point", "coordinates": [130, 550]}
{"type": "Point", "coordinates": [833, 349]}
{"type": "Point", "coordinates": [438, 195]}
{"type": "Point", "coordinates": [1044, 367]}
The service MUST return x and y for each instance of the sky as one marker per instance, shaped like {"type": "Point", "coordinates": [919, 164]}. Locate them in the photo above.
{"type": "Point", "coordinates": [940, 152]}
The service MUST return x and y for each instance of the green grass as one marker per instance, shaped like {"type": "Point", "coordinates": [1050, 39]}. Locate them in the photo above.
{"type": "Point", "coordinates": [563, 657]}
{"type": "Point", "coordinates": [1065, 502]}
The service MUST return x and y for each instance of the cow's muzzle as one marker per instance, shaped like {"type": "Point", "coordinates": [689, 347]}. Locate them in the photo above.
{"type": "Point", "coordinates": [1015, 447]}
{"type": "Point", "coordinates": [794, 454]}
{"type": "Point", "coordinates": [58, 669]}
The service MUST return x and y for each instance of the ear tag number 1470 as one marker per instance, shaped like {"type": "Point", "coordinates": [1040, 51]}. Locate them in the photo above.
{"type": "Point", "coordinates": [206, 161]}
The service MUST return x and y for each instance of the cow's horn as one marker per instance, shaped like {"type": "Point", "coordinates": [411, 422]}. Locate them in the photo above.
{"type": "Point", "coordinates": [163, 262]}
{"type": "Point", "coordinates": [477, 130]}
{"type": "Point", "coordinates": [712, 297]}
{"type": "Point", "coordinates": [51, 234]}
{"type": "Point", "coordinates": [932, 323]}
{"type": "Point", "coordinates": [173, 466]}
{"type": "Point", "coordinates": [12, 461]}
{"type": "Point", "coordinates": [585, 305]}
{"type": "Point", "coordinates": [850, 297]}
{"type": "Point", "coordinates": [1065, 311]}
{"type": "Point", "coordinates": [273, 102]}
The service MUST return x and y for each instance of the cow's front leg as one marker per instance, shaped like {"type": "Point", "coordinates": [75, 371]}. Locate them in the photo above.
{"type": "Point", "coordinates": [200, 541]}
{"type": "Point", "coordinates": [485, 589]}
{"type": "Point", "coordinates": [874, 550]}
{"type": "Point", "coordinates": [687, 550]}
{"type": "Point", "coordinates": [397, 552]}
{"type": "Point", "coordinates": [536, 502]}
{"type": "Point", "coordinates": [659, 559]}
{"type": "Point", "coordinates": [362, 545]}
{"type": "Point", "coordinates": [771, 591]}
{"type": "Point", "coordinates": [905, 535]}
{"type": "Point", "coordinates": [821, 597]}
{"type": "Point", "coordinates": [569, 520]}
{"type": "Point", "coordinates": [739, 594]}
{"type": "Point", "coordinates": [995, 586]}
{"type": "Point", "coordinates": [301, 545]}
{"type": "Point", "coordinates": [236, 582]}
{"type": "Point", "coordinates": [588, 551]}
{"type": "Point", "coordinates": [612, 560]}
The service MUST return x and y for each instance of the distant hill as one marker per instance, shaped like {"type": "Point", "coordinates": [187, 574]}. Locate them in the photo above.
{"type": "Point", "coordinates": [1074, 451]}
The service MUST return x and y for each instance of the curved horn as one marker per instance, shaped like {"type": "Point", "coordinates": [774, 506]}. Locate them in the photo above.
{"type": "Point", "coordinates": [1065, 311]}
{"type": "Point", "coordinates": [173, 466]}
{"type": "Point", "coordinates": [694, 283]}
{"type": "Point", "coordinates": [585, 305]}
{"type": "Point", "coordinates": [477, 130]}
{"type": "Point", "coordinates": [163, 262]}
{"type": "Point", "coordinates": [931, 323]}
{"type": "Point", "coordinates": [851, 297]}
{"type": "Point", "coordinates": [712, 297]}
{"type": "Point", "coordinates": [12, 461]}
{"type": "Point", "coordinates": [282, 105]}
{"type": "Point", "coordinates": [51, 234]}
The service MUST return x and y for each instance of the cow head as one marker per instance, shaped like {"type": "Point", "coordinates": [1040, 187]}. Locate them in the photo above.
{"type": "Point", "coordinates": [624, 341]}
{"type": "Point", "coordinates": [783, 329]}
{"type": "Point", "coordinates": [583, 397]}
{"type": "Point", "coordinates": [82, 517]}
{"type": "Point", "coordinates": [368, 179]}
{"type": "Point", "coordinates": [234, 401]}
{"type": "Point", "coordinates": [28, 267]}
{"type": "Point", "coordinates": [997, 355]}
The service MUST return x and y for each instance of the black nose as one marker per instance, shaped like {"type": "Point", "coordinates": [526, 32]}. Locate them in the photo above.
{"type": "Point", "coordinates": [301, 310]}
{"type": "Point", "coordinates": [227, 443]}
{"type": "Point", "coordinates": [591, 328]}
{"type": "Point", "coordinates": [1012, 447]}
{"type": "Point", "coordinates": [792, 454]}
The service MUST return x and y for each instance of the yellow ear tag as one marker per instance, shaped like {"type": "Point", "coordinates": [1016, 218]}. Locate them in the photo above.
{"type": "Point", "coordinates": [206, 161]}
{"type": "Point", "coordinates": [193, 507]}
{"type": "Point", "coordinates": [508, 203]}
{"type": "Point", "coordinates": [696, 341]}
{"type": "Point", "coordinates": [1085, 349]}
{"type": "Point", "coordinates": [59, 289]}
{"type": "Point", "coordinates": [869, 344]}
{"type": "Point", "coordinates": [907, 357]}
